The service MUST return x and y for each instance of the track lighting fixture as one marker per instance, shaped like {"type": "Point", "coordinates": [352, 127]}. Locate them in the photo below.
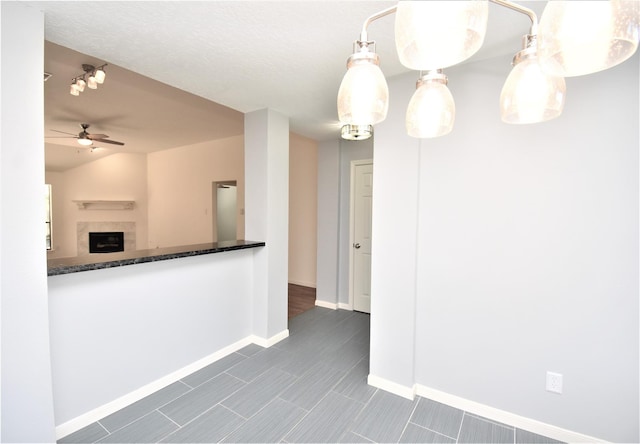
{"type": "Point", "coordinates": [574, 38]}
{"type": "Point", "coordinates": [91, 78]}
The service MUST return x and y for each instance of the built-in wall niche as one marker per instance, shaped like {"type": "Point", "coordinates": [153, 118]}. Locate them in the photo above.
{"type": "Point", "coordinates": [84, 228]}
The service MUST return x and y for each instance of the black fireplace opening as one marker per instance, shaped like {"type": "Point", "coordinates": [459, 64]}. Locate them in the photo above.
{"type": "Point", "coordinates": [106, 242]}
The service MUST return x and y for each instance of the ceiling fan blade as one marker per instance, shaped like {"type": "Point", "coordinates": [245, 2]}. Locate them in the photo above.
{"type": "Point", "coordinates": [64, 132]}
{"type": "Point", "coordinates": [60, 137]}
{"type": "Point", "coordinates": [96, 136]}
{"type": "Point", "coordinates": [113, 142]}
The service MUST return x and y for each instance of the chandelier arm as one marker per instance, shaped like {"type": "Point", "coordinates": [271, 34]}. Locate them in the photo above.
{"type": "Point", "coordinates": [376, 16]}
{"type": "Point", "coordinates": [532, 15]}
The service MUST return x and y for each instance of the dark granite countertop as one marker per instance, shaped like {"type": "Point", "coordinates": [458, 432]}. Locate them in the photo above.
{"type": "Point", "coordinates": [98, 261]}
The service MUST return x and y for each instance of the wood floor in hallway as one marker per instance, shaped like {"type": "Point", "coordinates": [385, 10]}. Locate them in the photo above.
{"type": "Point", "coordinates": [301, 299]}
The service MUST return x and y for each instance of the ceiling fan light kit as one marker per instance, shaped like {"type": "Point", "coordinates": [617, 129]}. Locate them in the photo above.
{"type": "Point", "coordinates": [574, 38]}
{"type": "Point", "coordinates": [86, 139]}
{"type": "Point", "coordinates": [91, 78]}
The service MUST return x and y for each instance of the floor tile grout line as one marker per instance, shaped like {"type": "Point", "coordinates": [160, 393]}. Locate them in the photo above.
{"type": "Point", "coordinates": [464, 413]}
{"type": "Point", "coordinates": [276, 396]}
{"type": "Point", "coordinates": [307, 412]}
{"type": "Point", "coordinates": [349, 428]}
{"type": "Point", "coordinates": [171, 432]}
{"type": "Point", "coordinates": [179, 426]}
{"type": "Point", "coordinates": [356, 417]}
{"type": "Point", "coordinates": [210, 408]}
{"type": "Point", "coordinates": [234, 430]}
{"type": "Point", "coordinates": [129, 423]}
{"type": "Point", "coordinates": [105, 429]}
{"type": "Point", "coordinates": [431, 430]}
{"type": "Point", "coordinates": [409, 419]}
{"type": "Point", "coordinates": [213, 377]}
{"type": "Point", "coordinates": [359, 435]}
{"type": "Point", "coordinates": [499, 424]}
{"type": "Point", "coordinates": [236, 413]}
{"type": "Point", "coordinates": [147, 413]}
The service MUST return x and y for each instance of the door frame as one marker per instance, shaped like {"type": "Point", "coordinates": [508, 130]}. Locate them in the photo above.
{"type": "Point", "coordinates": [352, 192]}
{"type": "Point", "coordinates": [214, 205]}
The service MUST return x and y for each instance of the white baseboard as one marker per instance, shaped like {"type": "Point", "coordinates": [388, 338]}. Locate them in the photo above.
{"type": "Point", "coordinates": [268, 342]}
{"type": "Point", "coordinates": [325, 304]}
{"type": "Point", "coordinates": [343, 306]}
{"type": "Point", "coordinates": [303, 283]}
{"type": "Point", "coordinates": [117, 404]}
{"type": "Point", "coordinates": [483, 410]}
{"type": "Point", "coordinates": [502, 416]}
{"type": "Point", "coordinates": [391, 387]}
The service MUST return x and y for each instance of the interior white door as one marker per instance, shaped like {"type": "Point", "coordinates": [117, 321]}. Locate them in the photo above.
{"type": "Point", "coordinates": [362, 198]}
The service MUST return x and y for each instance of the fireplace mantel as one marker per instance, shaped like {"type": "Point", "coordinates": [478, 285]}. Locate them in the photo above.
{"type": "Point", "coordinates": [105, 204]}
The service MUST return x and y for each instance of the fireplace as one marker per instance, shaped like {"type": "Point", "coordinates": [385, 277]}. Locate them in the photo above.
{"type": "Point", "coordinates": [106, 242]}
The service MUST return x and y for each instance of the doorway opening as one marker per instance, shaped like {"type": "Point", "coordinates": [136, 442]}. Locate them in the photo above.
{"type": "Point", "coordinates": [225, 210]}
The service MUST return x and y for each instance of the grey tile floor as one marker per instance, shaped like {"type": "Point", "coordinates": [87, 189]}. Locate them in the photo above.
{"type": "Point", "coordinates": [311, 387]}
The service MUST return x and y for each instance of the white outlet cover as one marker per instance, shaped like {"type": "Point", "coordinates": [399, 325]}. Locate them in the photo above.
{"type": "Point", "coordinates": [554, 382]}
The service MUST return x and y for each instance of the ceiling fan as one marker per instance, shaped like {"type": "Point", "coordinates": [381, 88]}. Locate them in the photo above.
{"type": "Point", "coordinates": [86, 139]}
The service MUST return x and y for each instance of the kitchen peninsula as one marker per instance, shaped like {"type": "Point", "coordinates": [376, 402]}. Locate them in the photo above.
{"type": "Point", "coordinates": [109, 260]}
{"type": "Point", "coordinates": [124, 325]}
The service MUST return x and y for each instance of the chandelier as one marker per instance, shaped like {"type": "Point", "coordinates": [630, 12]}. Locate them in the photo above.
{"type": "Point", "coordinates": [573, 38]}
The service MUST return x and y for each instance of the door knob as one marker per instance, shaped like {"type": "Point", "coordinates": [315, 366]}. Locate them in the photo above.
{"type": "Point", "coordinates": [356, 246]}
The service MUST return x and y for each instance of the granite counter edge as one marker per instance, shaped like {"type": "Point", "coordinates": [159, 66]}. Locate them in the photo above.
{"type": "Point", "coordinates": [76, 268]}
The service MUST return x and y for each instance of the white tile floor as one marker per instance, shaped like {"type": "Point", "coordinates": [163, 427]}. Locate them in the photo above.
{"type": "Point", "coordinates": [311, 387]}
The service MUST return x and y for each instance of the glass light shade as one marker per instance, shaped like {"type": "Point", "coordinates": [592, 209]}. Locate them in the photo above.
{"type": "Point", "coordinates": [583, 37]}
{"type": "Point", "coordinates": [436, 34]}
{"type": "Point", "coordinates": [100, 75]}
{"type": "Point", "coordinates": [356, 132]}
{"type": "Point", "coordinates": [84, 141]}
{"type": "Point", "coordinates": [530, 95]}
{"type": "Point", "coordinates": [81, 84]}
{"type": "Point", "coordinates": [74, 90]}
{"type": "Point", "coordinates": [431, 111]}
{"type": "Point", "coordinates": [91, 82]}
{"type": "Point", "coordinates": [363, 97]}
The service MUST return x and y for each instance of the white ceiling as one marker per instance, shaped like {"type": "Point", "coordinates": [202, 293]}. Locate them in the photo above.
{"type": "Point", "coordinates": [246, 55]}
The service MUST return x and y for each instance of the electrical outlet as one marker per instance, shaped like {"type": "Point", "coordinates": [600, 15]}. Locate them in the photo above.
{"type": "Point", "coordinates": [554, 382]}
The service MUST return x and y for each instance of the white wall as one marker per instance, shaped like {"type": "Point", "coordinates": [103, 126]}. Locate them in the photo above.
{"type": "Point", "coordinates": [526, 256]}
{"type": "Point", "coordinates": [27, 404]}
{"type": "Point", "coordinates": [328, 221]}
{"type": "Point", "coordinates": [120, 176]}
{"type": "Point", "coordinates": [116, 330]}
{"type": "Point", "coordinates": [267, 216]}
{"type": "Point", "coordinates": [303, 206]}
{"type": "Point", "coordinates": [179, 187]}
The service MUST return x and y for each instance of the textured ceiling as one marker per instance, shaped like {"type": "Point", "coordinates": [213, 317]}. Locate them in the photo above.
{"type": "Point", "coordinates": [246, 55]}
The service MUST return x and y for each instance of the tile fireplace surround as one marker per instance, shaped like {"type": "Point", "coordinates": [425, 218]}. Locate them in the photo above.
{"type": "Point", "coordinates": [84, 228]}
